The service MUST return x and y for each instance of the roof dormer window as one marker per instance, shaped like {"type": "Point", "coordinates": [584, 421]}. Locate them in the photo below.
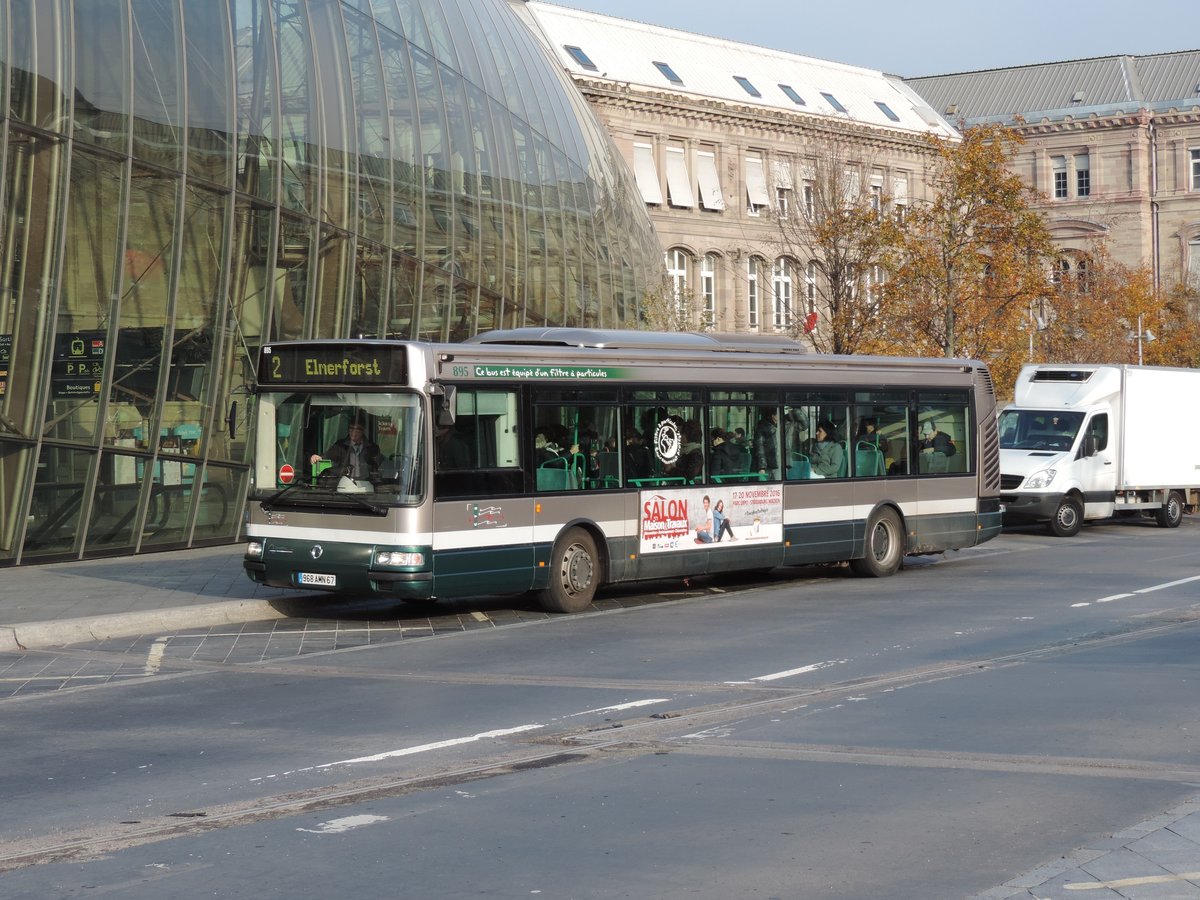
{"type": "Point", "coordinates": [887, 111]}
{"type": "Point", "coordinates": [834, 102]}
{"type": "Point", "coordinates": [668, 73]}
{"type": "Point", "coordinates": [747, 86]}
{"type": "Point", "coordinates": [791, 94]}
{"type": "Point", "coordinates": [580, 57]}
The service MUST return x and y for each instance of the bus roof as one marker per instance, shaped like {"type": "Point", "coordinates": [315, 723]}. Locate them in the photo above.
{"type": "Point", "coordinates": [614, 339]}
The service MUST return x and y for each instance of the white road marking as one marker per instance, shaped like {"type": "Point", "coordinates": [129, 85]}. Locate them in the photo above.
{"type": "Point", "coordinates": [344, 824]}
{"type": "Point", "coordinates": [155, 657]}
{"type": "Point", "coordinates": [1145, 590]}
{"type": "Point", "coordinates": [425, 748]}
{"type": "Point", "coordinates": [1131, 882]}
{"type": "Point", "coordinates": [479, 617]}
{"type": "Point", "coordinates": [774, 676]}
{"type": "Point", "coordinates": [620, 706]}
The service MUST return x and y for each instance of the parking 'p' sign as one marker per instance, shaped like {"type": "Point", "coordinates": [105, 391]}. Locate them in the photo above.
{"type": "Point", "coordinates": [286, 474]}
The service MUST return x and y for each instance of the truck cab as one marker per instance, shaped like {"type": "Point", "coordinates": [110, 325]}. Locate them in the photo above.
{"type": "Point", "coordinates": [1058, 466]}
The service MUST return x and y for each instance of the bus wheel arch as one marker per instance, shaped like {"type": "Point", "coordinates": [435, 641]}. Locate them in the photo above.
{"type": "Point", "coordinates": [577, 568]}
{"type": "Point", "coordinates": [884, 544]}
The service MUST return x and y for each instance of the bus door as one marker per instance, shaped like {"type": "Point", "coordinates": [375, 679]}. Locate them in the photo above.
{"type": "Point", "coordinates": [482, 526]}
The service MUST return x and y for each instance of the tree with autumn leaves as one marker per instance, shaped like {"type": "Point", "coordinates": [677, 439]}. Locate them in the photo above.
{"type": "Point", "coordinates": [973, 260]}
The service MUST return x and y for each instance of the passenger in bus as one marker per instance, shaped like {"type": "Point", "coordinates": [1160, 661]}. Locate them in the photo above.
{"type": "Point", "coordinates": [452, 450]}
{"type": "Point", "coordinates": [766, 445]}
{"type": "Point", "coordinates": [726, 458]}
{"type": "Point", "coordinates": [721, 524]}
{"type": "Point", "coordinates": [704, 531]}
{"type": "Point", "coordinates": [827, 451]}
{"type": "Point", "coordinates": [935, 441]}
{"type": "Point", "coordinates": [868, 434]}
{"type": "Point", "coordinates": [637, 456]}
{"type": "Point", "coordinates": [355, 456]}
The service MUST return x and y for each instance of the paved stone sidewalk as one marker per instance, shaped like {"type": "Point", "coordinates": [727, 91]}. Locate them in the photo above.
{"type": "Point", "coordinates": [59, 603]}
{"type": "Point", "coordinates": [1158, 859]}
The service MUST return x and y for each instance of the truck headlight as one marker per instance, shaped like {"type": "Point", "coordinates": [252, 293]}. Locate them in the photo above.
{"type": "Point", "coordinates": [1040, 479]}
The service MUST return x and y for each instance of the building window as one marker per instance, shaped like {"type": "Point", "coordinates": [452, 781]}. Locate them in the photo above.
{"type": "Point", "coordinates": [900, 197]}
{"type": "Point", "coordinates": [1195, 170]}
{"type": "Point", "coordinates": [810, 287]}
{"type": "Point", "coordinates": [747, 86]}
{"type": "Point", "coordinates": [646, 174]}
{"type": "Point", "coordinates": [782, 201]}
{"type": "Point", "coordinates": [1193, 262]}
{"type": "Point", "coordinates": [679, 183]}
{"type": "Point", "coordinates": [708, 181]}
{"type": "Point", "coordinates": [781, 288]}
{"type": "Point", "coordinates": [708, 288]}
{"type": "Point", "coordinates": [1059, 167]}
{"type": "Point", "coordinates": [834, 102]}
{"type": "Point", "coordinates": [876, 196]}
{"type": "Point", "coordinates": [791, 94]}
{"type": "Point", "coordinates": [810, 205]}
{"type": "Point", "coordinates": [677, 266]}
{"type": "Point", "coordinates": [1083, 176]}
{"type": "Point", "coordinates": [756, 186]}
{"type": "Point", "coordinates": [580, 57]}
{"type": "Point", "coordinates": [668, 73]}
{"type": "Point", "coordinates": [753, 265]}
{"type": "Point", "coordinates": [887, 111]}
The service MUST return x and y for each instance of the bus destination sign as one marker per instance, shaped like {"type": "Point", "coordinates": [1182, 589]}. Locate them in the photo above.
{"type": "Point", "coordinates": [348, 365]}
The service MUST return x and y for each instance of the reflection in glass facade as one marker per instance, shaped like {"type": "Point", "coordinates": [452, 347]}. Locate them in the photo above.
{"type": "Point", "coordinates": [186, 179]}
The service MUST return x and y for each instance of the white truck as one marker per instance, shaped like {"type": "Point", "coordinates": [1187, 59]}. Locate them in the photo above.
{"type": "Point", "coordinates": [1092, 441]}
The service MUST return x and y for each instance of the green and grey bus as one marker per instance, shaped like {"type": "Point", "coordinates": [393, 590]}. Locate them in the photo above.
{"type": "Point", "coordinates": [557, 460]}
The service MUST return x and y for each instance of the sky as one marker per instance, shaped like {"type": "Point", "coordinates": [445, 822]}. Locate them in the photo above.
{"type": "Point", "coordinates": [927, 37]}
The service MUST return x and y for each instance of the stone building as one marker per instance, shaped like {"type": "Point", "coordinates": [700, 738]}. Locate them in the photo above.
{"type": "Point", "coordinates": [724, 136]}
{"type": "Point", "coordinates": [1113, 145]}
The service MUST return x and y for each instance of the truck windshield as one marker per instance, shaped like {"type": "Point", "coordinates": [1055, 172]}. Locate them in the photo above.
{"type": "Point", "coordinates": [1038, 429]}
{"type": "Point", "coordinates": [352, 450]}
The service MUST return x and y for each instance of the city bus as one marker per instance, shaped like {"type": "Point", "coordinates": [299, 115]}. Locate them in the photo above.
{"type": "Point", "coordinates": [558, 460]}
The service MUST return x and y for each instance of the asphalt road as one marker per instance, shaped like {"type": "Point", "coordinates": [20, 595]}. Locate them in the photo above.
{"type": "Point", "coordinates": [811, 734]}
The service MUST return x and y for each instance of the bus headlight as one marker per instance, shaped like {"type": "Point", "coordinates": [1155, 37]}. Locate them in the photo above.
{"type": "Point", "coordinates": [1040, 479]}
{"type": "Point", "coordinates": [399, 558]}
{"type": "Point", "coordinates": [254, 549]}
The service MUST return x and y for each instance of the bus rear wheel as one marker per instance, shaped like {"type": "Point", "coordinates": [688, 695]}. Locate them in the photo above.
{"type": "Point", "coordinates": [884, 548]}
{"type": "Point", "coordinates": [574, 573]}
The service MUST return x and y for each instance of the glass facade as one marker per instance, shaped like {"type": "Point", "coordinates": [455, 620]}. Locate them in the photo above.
{"type": "Point", "coordinates": [184, 180]}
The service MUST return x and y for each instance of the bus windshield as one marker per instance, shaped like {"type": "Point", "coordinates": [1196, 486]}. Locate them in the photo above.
{"type": "Point", "coordinates": [1038, 429]}
{"type": "Point", "coordinates": [342, 449]}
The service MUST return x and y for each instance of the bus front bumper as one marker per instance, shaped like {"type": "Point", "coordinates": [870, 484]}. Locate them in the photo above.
{"type": "Point", "coordinates": [341, 568]}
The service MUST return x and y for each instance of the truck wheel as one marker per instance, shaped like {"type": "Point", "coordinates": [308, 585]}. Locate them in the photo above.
{"type": "Point", "coordinates": [1068, 518]}
{"type": "Point", "coordinates": [884, 548]}
{"type": "Point", "coordinates": [1170, 514]}
{"type": "Point", "coordinates": [574, 573]}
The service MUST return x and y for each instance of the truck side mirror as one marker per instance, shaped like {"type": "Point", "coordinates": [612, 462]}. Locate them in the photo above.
{"type": "Point", "coordinates": [1089, 446]}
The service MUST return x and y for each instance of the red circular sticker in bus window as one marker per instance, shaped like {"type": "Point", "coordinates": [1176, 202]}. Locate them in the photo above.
{"type": "Point", "coordinates": [286, 474]}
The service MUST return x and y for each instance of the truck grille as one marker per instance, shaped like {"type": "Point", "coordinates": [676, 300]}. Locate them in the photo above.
{"type": "Point", "coordinates": [1010, 482]}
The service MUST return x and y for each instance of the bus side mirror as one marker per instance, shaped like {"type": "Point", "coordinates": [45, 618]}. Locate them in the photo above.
{"type": "Point", "coordinates": [446, 405]}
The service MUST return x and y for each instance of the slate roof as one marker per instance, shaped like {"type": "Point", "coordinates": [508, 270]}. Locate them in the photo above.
{"type": "Point", "coordinates": [1080, 87]}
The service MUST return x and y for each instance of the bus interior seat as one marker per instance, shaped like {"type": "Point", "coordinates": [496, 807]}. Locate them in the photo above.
{"type": "Point", "coordinates": [844, 468]}
{"type": "Point", "coordinates": [554, 475]}
{"type": "Point", "coordinates": [799, 467]}
{"type": "Point", "coordinates": [868, 461]}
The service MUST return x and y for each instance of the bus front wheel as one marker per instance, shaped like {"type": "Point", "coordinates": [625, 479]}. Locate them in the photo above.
{"type": "Point", "coordinates": [574, 573]}
{"type": "Point", "coordinates": [884, 548]}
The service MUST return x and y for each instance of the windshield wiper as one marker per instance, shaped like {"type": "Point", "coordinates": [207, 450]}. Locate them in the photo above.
{"type": "Point", "coordinates": [365, 504]}
{"type": "Point", "coordinates": [268, 504]}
